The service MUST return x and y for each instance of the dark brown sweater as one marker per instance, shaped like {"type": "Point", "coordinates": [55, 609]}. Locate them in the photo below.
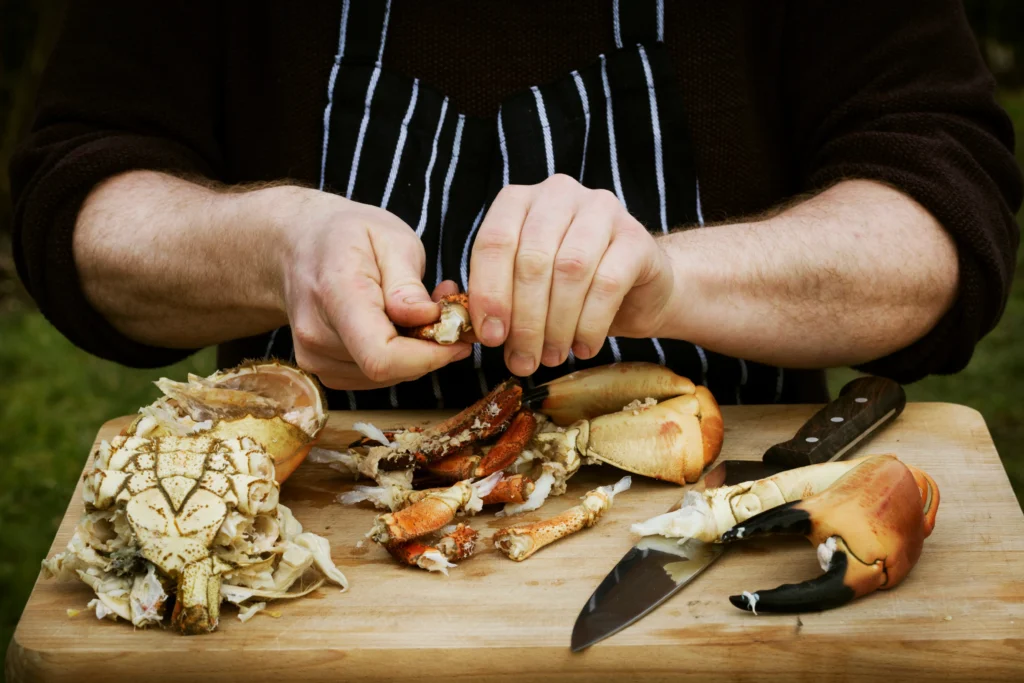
{"type": "Point", "coordinates": [782, 98]}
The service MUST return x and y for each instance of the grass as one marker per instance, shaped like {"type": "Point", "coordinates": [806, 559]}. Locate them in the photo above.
{"type": "Point", "coordinates": [53, 397]}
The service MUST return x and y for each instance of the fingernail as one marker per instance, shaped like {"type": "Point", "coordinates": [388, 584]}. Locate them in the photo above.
{"type": "Point", "coordinates": [551, 356]}
{"type": "Point", "coordinates": [415, 300]}
{"type": "Point", "coordinates": [581, 351]}
{"type": "Point", "coordinates": [522, 363]}
{"type": "Point", "coordinates": [463, 355]}
{"type": "Point", "coordinates": [493, 330]}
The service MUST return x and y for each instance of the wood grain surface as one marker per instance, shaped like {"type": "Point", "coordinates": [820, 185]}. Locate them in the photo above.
{"type": "Point", "coordinates": [958, 616]}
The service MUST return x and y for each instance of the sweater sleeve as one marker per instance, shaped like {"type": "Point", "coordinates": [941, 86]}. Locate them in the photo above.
{"type": "Point", "coordinates": [129, 86]}
{"type": "Point", "coordinates": [897, 92]}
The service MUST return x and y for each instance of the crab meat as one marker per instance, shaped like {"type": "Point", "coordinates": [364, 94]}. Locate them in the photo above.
{"type": "Point", "coordinates": [454, 322]}
{"type": "Point", "coordinates": [522, 541]}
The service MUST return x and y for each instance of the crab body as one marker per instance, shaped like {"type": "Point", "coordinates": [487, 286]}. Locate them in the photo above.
{"type": "Point", "coordinates": [184, 502]}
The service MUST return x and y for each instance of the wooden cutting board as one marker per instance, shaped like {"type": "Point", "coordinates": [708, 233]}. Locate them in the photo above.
{"type": "Point", "coordinates": [959, 615]}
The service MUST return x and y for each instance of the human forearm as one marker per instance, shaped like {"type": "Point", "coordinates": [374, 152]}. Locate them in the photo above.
{"type": "Point", "coordinates": [174, 264]}
{"type": "Point", "coordinates": [848, 276]}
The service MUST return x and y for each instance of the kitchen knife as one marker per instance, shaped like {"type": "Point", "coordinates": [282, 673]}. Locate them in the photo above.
{"type": "Point", "coordinates": [657, 567]}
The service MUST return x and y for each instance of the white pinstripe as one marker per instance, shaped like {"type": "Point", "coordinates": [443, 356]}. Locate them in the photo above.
{"type": "Point", "coordinates": [612, 342]}
{"type": "Point", "coordinates": [393, 395]}
{"type": "Point", "coordinates": [400, 147]}
{"type": "Point", "coordinates": [661, 351]}
{"type": "Point", "coordinates": [700, 213]}
{"type": "Point", "coordinates": [464, 272]}
{"type": "Point", "coordinates": [437, 390]}
{"type": "Point", "coordinates": [778, 386]}
{"type": "Point", "coordinates": [616, 25]}
{"type": "Point", "coordinates": [659, 169]}
{"type": "Point", "coordinates": [703, 365]}
{"type": "Point", "coordinates": [430, 169]}
{"type": "Point", "coordinates": [661, 21]}
{"type": "Point", "coordinates": [342, 34]}
{"type": "Point", "coordinates": [504, 151]}
{"type": "Point", "coordinates": [584, 100]}
{"type": "Point", "coordinates": [456, 144]}
{"type": "Point", "coordinates": [357, 153]}
{"type": "Point", "coordinates": [545, 127]}
{"type": "Point", "coordinates": [611, 132]}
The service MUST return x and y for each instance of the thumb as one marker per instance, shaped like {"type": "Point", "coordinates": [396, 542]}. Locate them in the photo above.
{"type": "Point", "coordinates": [406, 300]}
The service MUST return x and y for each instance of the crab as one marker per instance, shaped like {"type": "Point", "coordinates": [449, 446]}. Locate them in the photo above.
{"type": "Point", "coordinates": [638, 417]}
{"type": "Point", "coordinates": [182, 506]}
{"type": "Point", "coordinates": [868, 518]}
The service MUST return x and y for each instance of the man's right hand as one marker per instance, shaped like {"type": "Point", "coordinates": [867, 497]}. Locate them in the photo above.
{"type": "Point", "coordinates": [351, 273]}
{"type": "Point", "coordinates": [174, 264]}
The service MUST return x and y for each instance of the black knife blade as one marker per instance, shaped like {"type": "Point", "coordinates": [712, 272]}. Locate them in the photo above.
{"type": "Point", "coordinates": [656, 567]}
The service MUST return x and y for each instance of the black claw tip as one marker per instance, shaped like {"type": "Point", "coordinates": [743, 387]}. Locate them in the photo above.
{"type": "Point", "coordinates": [741, 601]}
{"type": "Point", "coordinates": [531, 397]}
{"type": "Point", "coordinates": [817, 595]}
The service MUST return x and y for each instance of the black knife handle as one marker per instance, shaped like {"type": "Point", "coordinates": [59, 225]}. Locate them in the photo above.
{"type": "Point", "coordinates": [863, 406]}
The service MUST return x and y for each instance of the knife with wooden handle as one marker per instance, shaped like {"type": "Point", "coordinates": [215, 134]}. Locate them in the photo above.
{"type": "Point", "coordinates": [657, 567]}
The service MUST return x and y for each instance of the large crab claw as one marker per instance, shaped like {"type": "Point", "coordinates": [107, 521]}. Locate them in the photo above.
{"type": "Point", "coordinates": [639, 417]}
{"type": "Point", "coordinates": [869, 528]}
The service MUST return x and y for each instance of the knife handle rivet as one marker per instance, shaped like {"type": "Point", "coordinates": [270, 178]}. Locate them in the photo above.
{"type": "Point", "coordinates": [837, 419]}
{"type": "Point", "coordinates": [811, 439]}
{"type": "Point", "coordinates": [861, 399]}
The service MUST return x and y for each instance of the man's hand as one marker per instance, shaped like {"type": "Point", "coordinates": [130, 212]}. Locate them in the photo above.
{"type": "Point", "coordinates": [171, 263]}
{"type": "Point", "coordinates": [558, 266]}
{"type": "Point", "coordinates": [353, 272]}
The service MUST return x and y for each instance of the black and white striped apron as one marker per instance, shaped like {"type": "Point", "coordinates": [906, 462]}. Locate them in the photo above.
{"type": "Point", "coordinates": [618, 124]}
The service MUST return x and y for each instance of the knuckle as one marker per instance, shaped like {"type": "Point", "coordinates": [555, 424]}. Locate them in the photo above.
{"type": "Point", "coordinates": [560, 182]}
{"type": "Point", "coordinates": [514, 193]}
{"type": "Point", "coordinates": [495, 241]}
{"type": "Point", "coordinates": [532, 264]}
{"type": "Point", "coordinates": [606, 284]}
{"type": "Point", "coordinates": [605, 198]}
{"type": "Point", "coordinates": [571, 264]}
{"type": "Point", "coordinates": [377, 368]}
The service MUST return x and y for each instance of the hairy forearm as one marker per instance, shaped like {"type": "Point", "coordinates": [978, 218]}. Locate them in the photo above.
{"type": "Point", "coordinates": [850, 275]}
{"type": "Point", "coordinates": [175, 264]}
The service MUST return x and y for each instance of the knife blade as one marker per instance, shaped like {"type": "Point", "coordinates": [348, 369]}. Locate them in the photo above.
{"type": "Point", "coordinates": [657, 567]}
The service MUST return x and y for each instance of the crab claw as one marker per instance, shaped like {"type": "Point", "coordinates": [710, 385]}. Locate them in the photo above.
{"type": "Point", "coordinates": [586, 394]}
{"type": "Point", "coordinates": [869, 528]}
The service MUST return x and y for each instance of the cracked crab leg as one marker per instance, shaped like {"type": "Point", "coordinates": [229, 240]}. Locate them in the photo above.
{"type": "Point", "coordinates": [457, 544]}
{"type": "Point", "coordinates": [523, 540]}
{"type": "Point", "coordinates": [432, 512]}
{"type": "Point", "coordinates": [514, 489]}
{"type": "Point", "coordinates": [466, 465]}
{"type": "Point", "coordinates": [482, 420]}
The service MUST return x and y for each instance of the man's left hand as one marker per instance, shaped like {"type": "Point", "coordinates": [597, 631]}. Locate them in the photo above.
{"type": "Point", "coordinates": [557, 266]}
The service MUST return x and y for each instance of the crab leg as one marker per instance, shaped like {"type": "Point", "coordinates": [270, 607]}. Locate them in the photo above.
{"type": "Point", "coordinates": [432, 512]}
{"type": "Point", "coordinates": [869, 528]}
{"type": "Point", "coordinates": [514, 489]}
{"type": "Point", "coordinates": [459, 544]}
{"type": "Point", "coordinates": [466, 465]}
{"type": "Point", "coordinates": [523, 540]}
{"type": "Point", "coordinates": [586, 394]}
{"type": "Point", "coordinates": [519, 432]}
{"type": "Point", "coordinates": [486, 418]}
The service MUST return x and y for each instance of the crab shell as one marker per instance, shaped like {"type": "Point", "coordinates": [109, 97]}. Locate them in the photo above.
{"type": "Point", "coordinates": [286, 423]}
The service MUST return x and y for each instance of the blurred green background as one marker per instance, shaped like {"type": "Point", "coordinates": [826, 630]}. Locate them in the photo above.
{"type": "Point", "coordinates": [53, 397]}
